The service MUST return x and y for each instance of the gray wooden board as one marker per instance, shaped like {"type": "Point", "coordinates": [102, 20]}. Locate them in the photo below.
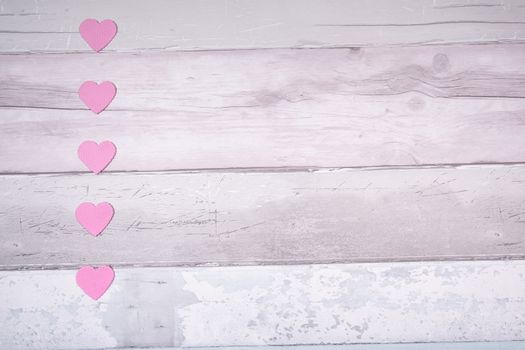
{"type": "Point", "coordinates": [268, 108]}
{"type": "Point", "coordinates": [267, 305]}
{"type": "Point", "coordinates": [193, 218]}
{"type": "Point", "coordinates": [209, 24]}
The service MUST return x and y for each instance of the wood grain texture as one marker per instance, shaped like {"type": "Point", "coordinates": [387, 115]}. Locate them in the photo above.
{"type": "Point", "coordinates": [323, 155]}
{"type": "Point", "coordinates": [268, 108]}
{"type": "Point", "coordinates": [266, 217]}
{"type": "Point", "coordinates": [267, 305]}
{"type": "Point", "coordinates": [208, 24]}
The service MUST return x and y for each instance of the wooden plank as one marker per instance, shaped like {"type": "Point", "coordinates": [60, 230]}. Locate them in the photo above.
{"type": "Point", "coordinates": [267, 305]}
{"type": "Point", "coordinates": [268, 108]}
{"type": "Point", "coordinates": [266, 217]}
{"type": "Point", "coordinates": [207, 24]}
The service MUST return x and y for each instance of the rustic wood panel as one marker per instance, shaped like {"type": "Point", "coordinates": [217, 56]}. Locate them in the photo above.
{"type": "Point", "coordinates": [268, 108]}
{"type": "Point", "coordinates": [263, 305]}
{"type": "Point", "coordinates": [208, 24]}
{"type": "Point", "coordinates": [274, 121]}
{"type": "Point", "coordinates": [266, 217]}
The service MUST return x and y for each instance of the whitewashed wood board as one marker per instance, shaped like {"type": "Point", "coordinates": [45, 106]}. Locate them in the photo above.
{"type": "Point", "coordinates": [267, 305]}
{"type": "Point", "coordinates": [194, 218]}
{"type": "Point", "coordinates": [305, 156]}
{"type": "Point", "coordinates": [208, 24]}
{"type": "Point", "coordinates": [268, 108]}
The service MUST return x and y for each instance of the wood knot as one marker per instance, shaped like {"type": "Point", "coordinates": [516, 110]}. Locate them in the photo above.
{"type": "Point", "coordinates": [440, 63]}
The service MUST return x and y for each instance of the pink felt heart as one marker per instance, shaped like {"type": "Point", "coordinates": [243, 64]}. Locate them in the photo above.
{"type": "Point", "coordinates": [96, 156]}
{"type": "Point", "coordinates": [95, 281]}
{"type": "Point", "coordinates": [98, 34]}
{"type": "Point", "coordinates": [97, 96]}
{"type": "Point", "coordinates": [94, 218]}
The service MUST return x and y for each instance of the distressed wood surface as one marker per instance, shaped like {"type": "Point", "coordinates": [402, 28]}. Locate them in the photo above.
{"type": "Point", "coordinates": [266, 217]}
{"type": "Point", "coordinates": [267, 305]}
{"type": "Point", "coordinates": [418, 83]}
{"type": "Point", "coordinates": [208, 24]}
{"type": "Point", "coordinates": [268, 108]}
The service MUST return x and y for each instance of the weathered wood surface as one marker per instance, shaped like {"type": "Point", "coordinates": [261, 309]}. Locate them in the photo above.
{"type": "Point", "coordinates": [268, 108]}
{"type": "Point", "coordinates": [445, 86]}
{"type": "Point", "coordinates": [208, 24]}
{"type": "Point", "coordinates": [267, 305]}
{"type": "Point", "coordinates": [266, 217]}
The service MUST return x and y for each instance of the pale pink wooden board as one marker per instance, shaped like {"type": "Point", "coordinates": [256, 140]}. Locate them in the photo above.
{"type": "Point", "coordinates": [269, 108]}
{"type": "Point", "coordinates": [221, 217]}
{"type": "Point", "coordinates": [51, 25]}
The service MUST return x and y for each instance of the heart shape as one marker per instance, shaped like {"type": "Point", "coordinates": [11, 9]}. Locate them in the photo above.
{"type": "Point", "coordinates": [98, 34]}
{"type": "Point", "coordinates": [95, 281]}
{"type": "Point", "coordinates": [97, 96]}
{"type": "Point", "coordinates": [96, 156]}
{"type": "Point", "coordinates": [94, 218]}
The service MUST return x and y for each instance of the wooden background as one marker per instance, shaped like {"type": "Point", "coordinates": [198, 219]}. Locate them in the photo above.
{"type": "Point", "coordinates": [377, 147]}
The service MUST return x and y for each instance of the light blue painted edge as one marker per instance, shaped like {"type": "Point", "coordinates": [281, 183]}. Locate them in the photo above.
{"type": "Point", "coordinates": [511, 345]}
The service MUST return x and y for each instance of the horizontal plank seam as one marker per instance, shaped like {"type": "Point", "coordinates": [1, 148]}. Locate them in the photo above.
{"type": "Point", "coordinates": [130, 110]}
{"type": "Point", "coordinates": [284, 169]}
{"type": "Point", "coordinates": [378, 260]}
{"type": "Point", "coordinates": [416, 24]}
{"type": "Point", "coordinates": [296, 47]}
{"type": "Point", "coordinates": [438, 23]}
{"type": "Point", "coordinates": [33, 32]}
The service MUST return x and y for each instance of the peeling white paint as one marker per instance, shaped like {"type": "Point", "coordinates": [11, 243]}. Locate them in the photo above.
{"type": "Point", "coordinates": [356, 304]}
{"type": "Point", "coordinates": [268, 305]}
{"type": "Point", "coordinates": [46, 309]}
